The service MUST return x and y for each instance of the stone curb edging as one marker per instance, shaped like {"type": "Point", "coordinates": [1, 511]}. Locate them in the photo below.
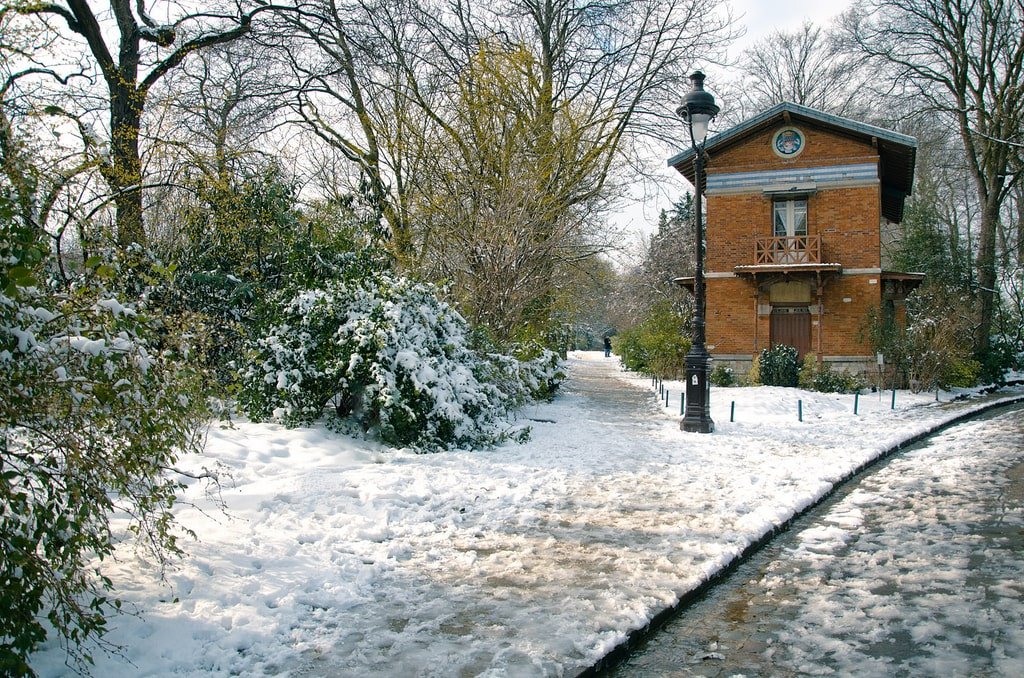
{"type": "Point", "coordinates": [621, 652]}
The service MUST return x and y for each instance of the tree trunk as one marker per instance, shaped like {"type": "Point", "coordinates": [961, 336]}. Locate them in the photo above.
{"type": "Point", "coordinates": [125, 181]}
{"type": "Point", "coordinates": [985, 265]}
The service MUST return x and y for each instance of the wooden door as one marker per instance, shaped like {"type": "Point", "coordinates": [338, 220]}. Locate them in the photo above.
{"type": "Point", "coordinates": [791, 325]}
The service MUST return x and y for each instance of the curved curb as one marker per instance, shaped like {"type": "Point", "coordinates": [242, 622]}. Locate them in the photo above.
{"type": "Point", "coordinates": [622, 651]}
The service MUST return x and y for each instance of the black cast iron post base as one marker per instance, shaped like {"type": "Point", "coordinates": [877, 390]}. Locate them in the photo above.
{"type": "Point", "coordinates": [697, 418]}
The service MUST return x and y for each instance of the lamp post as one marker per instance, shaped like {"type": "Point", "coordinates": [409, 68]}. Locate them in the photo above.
{"type": "Point", "coordinates": [697, 110]}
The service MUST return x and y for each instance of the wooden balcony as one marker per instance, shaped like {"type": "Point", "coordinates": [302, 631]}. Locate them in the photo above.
{"type": "Point", "coordinates": [787, 254]}
{"type": "Point", "coordinates": [797, 249]}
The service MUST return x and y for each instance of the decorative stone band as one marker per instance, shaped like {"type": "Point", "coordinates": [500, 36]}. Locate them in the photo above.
{"type": "Point", "coordinates": [800, 180]}
{"type": "Point", "coordinates": [848, 271]}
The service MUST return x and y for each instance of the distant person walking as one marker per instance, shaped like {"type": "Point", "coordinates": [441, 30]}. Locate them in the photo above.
{"type": "Point", "coordinates": [607, 347]}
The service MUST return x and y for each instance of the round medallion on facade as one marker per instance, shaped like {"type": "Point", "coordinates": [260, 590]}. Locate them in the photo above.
{"type": "Point", "coordinates": [788, 142]}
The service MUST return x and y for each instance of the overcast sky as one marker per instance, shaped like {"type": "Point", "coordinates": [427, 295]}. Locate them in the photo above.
{"type": "Point", "coordinates": [762, 17]}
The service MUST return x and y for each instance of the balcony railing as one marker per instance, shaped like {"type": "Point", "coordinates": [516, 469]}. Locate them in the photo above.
{"type": "Point", "coordinates": [782, 250]}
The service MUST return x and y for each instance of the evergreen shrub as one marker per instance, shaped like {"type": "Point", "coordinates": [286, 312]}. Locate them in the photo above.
{"type": "Point", "coordinates": [722, 375]}
{"type": "Point", "coordinates": [993, 365]}
{"type": "Point", "coordinates": [779, 366]}
{"type": "Point", "coordinates": [657, 346]}
{"type": "Point", "coordinates": [242, 242]}
{"type": "Point", "coordinates": [815, 376]}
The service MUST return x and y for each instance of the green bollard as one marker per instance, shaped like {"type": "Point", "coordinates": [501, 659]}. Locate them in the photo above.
{"type": "Point", "coordinates": [732, 412]}
{"type": "Point", "coordinates": [893, 405]}
{"type": "Point", "coordinates": [682, 404]}
{"type": "Point", "coordinates": [856, 399]}
{"type": "Point", "coordinates": [800, 410]}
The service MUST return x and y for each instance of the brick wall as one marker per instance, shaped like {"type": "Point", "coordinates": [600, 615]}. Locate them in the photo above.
{"type": "Point", "coordinates": [847, 219]}
{"type": "Point", "coordinates": [730, 320]}
{"type": "Point", "coordinates": [842, 320]}
{"type": "Point", "coordinates": [820, 148]}
{"type": "Point", "coordinates": [733, 223]}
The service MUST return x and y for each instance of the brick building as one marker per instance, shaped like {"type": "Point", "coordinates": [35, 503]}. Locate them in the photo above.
{"type": "Point", "coordinates": [798, 205]}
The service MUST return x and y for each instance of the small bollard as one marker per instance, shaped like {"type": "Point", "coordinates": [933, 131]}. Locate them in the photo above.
{"type": "Point", "coordinates": [800, 410]}
{"type": "Point", "coordinates": [732, 412]}
{"type": "Point", "coordinates": [682, 404]}
{"type": "Point", "coordinates": [666, 397]}
{"type": "Point", "coordinates": [856, 399]}
{"type": "Point", "coordinates": [893, 405]}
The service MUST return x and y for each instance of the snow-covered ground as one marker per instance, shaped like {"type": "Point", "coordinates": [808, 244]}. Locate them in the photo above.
{"type": "Point", "coordinates": [336, 558]}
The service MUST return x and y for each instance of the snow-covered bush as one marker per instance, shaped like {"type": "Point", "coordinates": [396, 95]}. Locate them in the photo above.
{"type": "Point", "coordinates": [96, 407]}
{"type": "Point", "coordinates": [388, 355]}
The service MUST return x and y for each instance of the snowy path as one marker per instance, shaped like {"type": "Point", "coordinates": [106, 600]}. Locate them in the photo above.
{"type": "Point", "coordinates": [913, 570]}
{"type": "Point", "coordinates": [338, 558]}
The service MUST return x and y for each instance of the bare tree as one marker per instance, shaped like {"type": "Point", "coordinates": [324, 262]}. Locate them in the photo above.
{"type": "Point", "coordinates": [222, 105]}
{"type": "Point", "coordinates": [210, 123]}
{"type": "Point", "coordinates": [620, 64]}
{"type": "Point", "coordinates": [40, 185]}
{"type": "Point", "coordinates": [666, 254]}
{"type": "Point", "coordinates": [806, 66]}
{"type": "Point", "coordinates": [961, 60]}
{"type": "Point", "coordinates": [144, 52]}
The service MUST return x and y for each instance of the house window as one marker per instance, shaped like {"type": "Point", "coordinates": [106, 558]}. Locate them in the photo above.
{"type": "Point", "coordinates": [790, 217]}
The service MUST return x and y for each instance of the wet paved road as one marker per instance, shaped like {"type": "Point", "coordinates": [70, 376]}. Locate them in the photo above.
{"type": "Point", "coordinates": [915, 570]}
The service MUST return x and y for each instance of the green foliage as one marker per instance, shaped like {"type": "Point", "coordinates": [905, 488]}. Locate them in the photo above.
{"type": "Point", "coordinates": [993, 365]}
{"type": "Point", "coordinates": [925, 246]}
{"type": "Point", "coordinates": [819, 376]}
{"type": "Point", "coordinates": [722, 375]}
{"type": "Point", "coordinates": [97, 406]}
{"type": "Point", "coordinates": [779, 366]}
{"type": "Point", "coordinates": [961, 373]}
{"type": "Point", "coordinates": [393, 359]}
{"type": "Point", "coordinates": [242, 244]}
{"type": "Point", "coordinates": [934, 350]}
{"type": "Point", "coordinates": [22, 250]}
{"type": "Point", "coordinates": [656, 346]}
